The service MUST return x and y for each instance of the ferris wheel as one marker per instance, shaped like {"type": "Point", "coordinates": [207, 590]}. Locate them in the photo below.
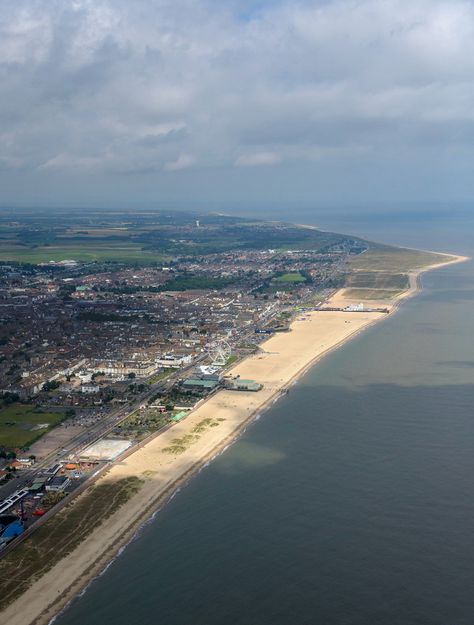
{"type": "Point", "coordinates": [219, 352]}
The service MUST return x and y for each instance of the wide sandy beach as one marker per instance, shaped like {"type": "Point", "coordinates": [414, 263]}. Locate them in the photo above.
{"type": "Point", "coordinates": [280, 361]}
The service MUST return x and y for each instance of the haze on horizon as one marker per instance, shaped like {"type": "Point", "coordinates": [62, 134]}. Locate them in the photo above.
{"type": "Point", "coordinates": [202, 100]}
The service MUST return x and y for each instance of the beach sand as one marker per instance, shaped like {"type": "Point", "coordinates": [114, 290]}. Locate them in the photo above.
{"type": "Point", "coordinates": [279, 362]}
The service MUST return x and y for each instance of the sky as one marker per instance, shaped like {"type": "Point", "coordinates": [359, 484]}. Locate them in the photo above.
{"type": "Point", "coordinates": [106, 102]}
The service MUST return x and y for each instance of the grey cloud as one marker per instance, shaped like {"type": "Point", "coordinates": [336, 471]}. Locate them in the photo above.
{"type": "Point", "coordinates": [156, 140]}
{"type": "Point", "coordinates": [110, 87]}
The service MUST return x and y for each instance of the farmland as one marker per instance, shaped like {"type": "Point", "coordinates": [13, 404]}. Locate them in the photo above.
{"type": "Point", "coordinates": [147, 238]}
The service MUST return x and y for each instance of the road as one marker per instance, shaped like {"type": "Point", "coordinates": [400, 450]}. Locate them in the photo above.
{"type": "Point", "coordinates": [110, 422]}
{"type": "Point", "coordinates": [94, 432]}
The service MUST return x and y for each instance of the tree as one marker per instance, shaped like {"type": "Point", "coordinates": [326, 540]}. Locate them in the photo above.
{"type": "Point", "coordinates": [52, 498]}
{"type": "Point", "coordinates": [9, 398]}
{"type": "Point", "coordinates": [131, 375]}
{"type": "Point", "coordinates": [51, 385]}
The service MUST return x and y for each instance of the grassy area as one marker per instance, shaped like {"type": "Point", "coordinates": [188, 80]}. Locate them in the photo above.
{"type": "Point", "coordinates": [87, 252]}
{"type": "Point", "coordinates": [20, 424]}
{"type": "Point", "coordinates": [378, 280]}
{"type": "Point", "coordinates": [61, 535]}
{"type": "Point", "coordinates": [250, 346]}
{"type": "Point", "coordinates": [162, 375]}
{"type": "Point", "coordinates": [369, 294]}
{"type": "Point", "coordinates": [382, 271]}
{"type": "Point", "coordinates": [393, 259]}
{"type": "Point", "coordinates": [290, 277]}
{"type": "Point", "coordinates": [142, 423]}
{"type": "Point", "coordinates": [230, 361]}
{"type": "Point", "coordinates": [148, 236]}
{"type": "Point", "coordinates": [179, 445]}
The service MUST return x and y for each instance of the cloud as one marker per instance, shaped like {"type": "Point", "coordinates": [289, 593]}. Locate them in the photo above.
{"type": "Point", "coordinates": [159, 86]}
{"type": "Point", "coordinates": [256, 159]}
{"type": "Point", "coordinates": [182, 162]}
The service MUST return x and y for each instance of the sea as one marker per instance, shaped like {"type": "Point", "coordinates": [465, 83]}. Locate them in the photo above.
{"type": "Point", "coordinates": [351, 500]}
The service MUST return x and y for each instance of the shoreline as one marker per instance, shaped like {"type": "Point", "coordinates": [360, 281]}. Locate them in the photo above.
{"type": "Point", "coordinates": [57, 588]}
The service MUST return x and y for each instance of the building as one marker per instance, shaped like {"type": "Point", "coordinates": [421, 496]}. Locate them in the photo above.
{"type": "Point", "coordinates": [355, 308]}
{"type": "Point", "coordinates": [197, 384]}
{"type": "Point", "coordinates": [38, 485]}
{"type": "Point", "coordinates": [58, 484]}
{"type": "Point", "coordinates": [51, 471]}
{"type": "Point", "coordinates": [90, 388]}
{"type": "Point", "coordinates": [12, 530]}
{"type": "Point", "coordinates": [172, 360]}
{"type": "Point", "coordinates": [237, 384]}
{"type": "Point", "coordinates": [117, 369]}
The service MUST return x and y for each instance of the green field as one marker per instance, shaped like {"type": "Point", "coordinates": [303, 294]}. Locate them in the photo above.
{"type": "Point", "coordinates": [141, 423]}
{"type": "Point", "coordinates": [147, 237]}
{"type": "Point", "coordinates": [382, 272]}
{"type": "Point", "coordinates": [87, 252]}
{"type": "Point", "coordinates": [290, 277]}
{"type": "Point", "coordinates": [393, 259]}
{"type": "Point", "coordinates": [378, 280]}
{"type": "Point", "coordinates": [19, 424]}
{"type": "Point", "coordinates": [230, 361]}
{"type": "Point", "coordinates": [369, 294]}
{"type": "Point", "coordinates": [162, 375]}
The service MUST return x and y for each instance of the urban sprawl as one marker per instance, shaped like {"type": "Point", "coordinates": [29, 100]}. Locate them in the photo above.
{"type": "Point", "coordinates": [96, 357]}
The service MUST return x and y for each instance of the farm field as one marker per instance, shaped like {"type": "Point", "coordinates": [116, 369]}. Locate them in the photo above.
{"type": "Point", "coordinates": [146, 238]}
{"type": "Point", "coordinates": [22, 424]}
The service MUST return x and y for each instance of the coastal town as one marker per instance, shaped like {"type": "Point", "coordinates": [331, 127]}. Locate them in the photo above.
{"type": "Point", "coordinates": [135, 348]}
{"type": "Point", "coordinates": [97, 357]}
{"type": "Point", "coordinates": [236, 312]}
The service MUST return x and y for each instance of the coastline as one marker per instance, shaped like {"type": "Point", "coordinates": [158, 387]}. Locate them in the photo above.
{"type": "Point", "coordinates": [281, 361]}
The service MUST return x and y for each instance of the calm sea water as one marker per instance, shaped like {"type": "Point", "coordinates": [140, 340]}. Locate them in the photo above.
{"type": "Point", "coordinates": [351, 501]}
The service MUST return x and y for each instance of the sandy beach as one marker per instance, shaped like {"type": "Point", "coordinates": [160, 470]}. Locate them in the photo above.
{"type": "Point", "coordinates": [280, 361]}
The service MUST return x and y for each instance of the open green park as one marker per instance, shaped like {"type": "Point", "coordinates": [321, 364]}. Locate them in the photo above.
{"type": "Point", "coordinates": [22, 424]}
{"type": "Point", "coordinates": [288, 278]}
{"type": "Point", "coordinates": [86, 252]}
